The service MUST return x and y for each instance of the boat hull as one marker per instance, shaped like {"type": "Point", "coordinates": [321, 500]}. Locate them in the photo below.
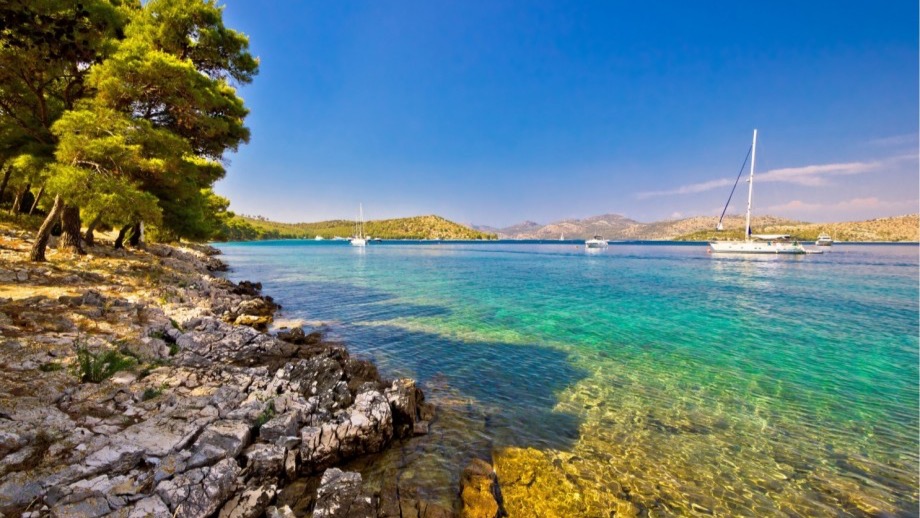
{"type": "Point", "coordinates": [358, 242]}
{"type": "Point", "coordinates": [756, 247]}
{"type": "Point", "coordinates": [595, 244]}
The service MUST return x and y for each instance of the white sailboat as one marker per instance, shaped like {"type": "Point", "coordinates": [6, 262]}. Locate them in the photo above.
{"type": "Point", "coordinates": [562, 236]}
{"type": "Point", "coordinates": [755, 243]}
{"type": "Point", "coordinates": [360, 239]}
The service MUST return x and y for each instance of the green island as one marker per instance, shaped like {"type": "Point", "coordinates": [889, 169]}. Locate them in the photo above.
{"type": "Point", "coordinates": [243, 228]}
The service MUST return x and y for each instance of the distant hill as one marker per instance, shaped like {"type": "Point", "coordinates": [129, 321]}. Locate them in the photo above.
{"type": "Point", "coordinates": [702, 228]}
{"type": "Point", "coordinates": [604, 225]}
{"type": "Point", "coordinates": [898, 228]}
{"type": "Point", "coordinates": [244, 228]}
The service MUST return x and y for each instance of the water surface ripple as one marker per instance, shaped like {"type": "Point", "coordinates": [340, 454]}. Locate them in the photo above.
{"type": "Point", "coordinates": [645, 379]}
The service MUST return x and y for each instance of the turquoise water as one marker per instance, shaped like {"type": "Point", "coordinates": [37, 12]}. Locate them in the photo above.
{"type": "Point", "coordinates": [652, 379]}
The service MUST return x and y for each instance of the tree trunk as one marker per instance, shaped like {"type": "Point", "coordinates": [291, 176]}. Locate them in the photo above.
{"type": "Point", "coordinates": [6, 180]}
{"type": "Point", "coordinates": [88, 237]}
{"type": "Point", "coordinates": [17, 203]}
{"type": "Point", "coordinates": [120, 240]}
{"type": "Point", "coordinates": [37, 197]}
{"type": "Point", "coordinates": [70, 224]}
{"type": "Point", "coordinates": [44, 233]}
{"type": "Point", "coordinates": [136, 234]}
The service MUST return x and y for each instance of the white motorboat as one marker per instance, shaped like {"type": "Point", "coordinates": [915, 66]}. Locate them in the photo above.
{"type": "Point", "coordinates": [754, 244]}
{"type": "Point", "coordinates": [824, 240]}
{"type": "Point", "coordinates": [318, 238]}
{"type": "Point", "coordinates": [359, 239]}
{"type": "Point", "coordinates": [596, 242]}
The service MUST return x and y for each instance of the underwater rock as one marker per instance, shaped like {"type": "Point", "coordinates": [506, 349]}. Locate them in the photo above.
{"type": "Point", "coordinates": [480, 494]}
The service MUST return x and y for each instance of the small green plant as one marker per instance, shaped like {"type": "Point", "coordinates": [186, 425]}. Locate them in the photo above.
{"type": "Point", "coordinates": [151, 392]}
{"type": "Point", "coordinates": [175, 324]}
{"type": "Point", "coordinates": [96, 367]}
{"type": "Point", "coordinates": [173, 349]}
{"type": "Point", "coordinates": [157, 333]}
{"type": "Point", "coordinates": [265, 416]}
{"type": "Point", "coordinates": [50, 367]}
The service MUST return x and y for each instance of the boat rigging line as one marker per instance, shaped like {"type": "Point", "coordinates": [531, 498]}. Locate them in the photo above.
{"type": "Point", "coordinates": [740, 172]}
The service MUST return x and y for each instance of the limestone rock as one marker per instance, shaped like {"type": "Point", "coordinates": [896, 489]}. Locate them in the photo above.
{"type": "Point", "coordinates": [251, 503]}
{"type": "Point", "coordinates": [264, 460]}
{"type": "Point", "coordinates": [365, 428]}
{"type": "Point", "coordinates": [91, 507]}
{"type": "Point", "coordinates": [340, 496]}
{"type": "Point", "coordinates": [150, 507]}
{"type": "Point", "coordinates": [407, 402]}
{"type": "Point", "coordinates": [479, 492]}
{"type": "Point", "coordinates": [220, 440]}
{"type": "Point", "coordinates": [284, 425]}
{"type": "Point", "coordinates": [199, 492]}
{"type": "Point", "coordinates": [297, 336]}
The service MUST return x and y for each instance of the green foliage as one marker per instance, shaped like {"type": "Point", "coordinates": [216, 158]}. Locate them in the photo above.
{"type": "Point", "coordinates": [150, 392]}
{"type": "Point", "coordinates": [265, 416]}
{"type": "Point", "coordinates": [124, 109]}
{"type": "Point", "coordinates": [97, 367]}
{"type": "Point", "coordinates": [51, 367]}
{"type": "Point", "coordinates": [241, 228]}
{"type": "Point", "coordinates": [173, 349]}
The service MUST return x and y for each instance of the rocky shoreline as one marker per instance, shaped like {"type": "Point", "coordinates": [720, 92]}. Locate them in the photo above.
{"type": "Point", "coordinates": [138, 383]}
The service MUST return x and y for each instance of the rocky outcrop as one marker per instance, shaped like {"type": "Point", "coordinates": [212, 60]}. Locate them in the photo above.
{"type": "Point", "coordinates": [365, 428]}
{"type": "Point", "coordinates": [212, 418]}
{"type": "Point", "coordinates": [340, 496]}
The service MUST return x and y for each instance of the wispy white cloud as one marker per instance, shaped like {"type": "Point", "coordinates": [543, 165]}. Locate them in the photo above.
{"type": "Point", "coordinates": [687, 189]}
{"type": "Point", "coordinates": [895, 140]}
{"type": "Point", "coordinates": [852, 208]}
{"type": "Point", "coordinates": [810, 175]}
{"type": "Point", "coordinates": [815, 174]}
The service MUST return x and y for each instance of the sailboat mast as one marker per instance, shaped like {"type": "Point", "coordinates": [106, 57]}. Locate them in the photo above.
{"type": "Point", "coordinates": [361, 219]}
{"type": "Point", "coordinates": [747, 224]}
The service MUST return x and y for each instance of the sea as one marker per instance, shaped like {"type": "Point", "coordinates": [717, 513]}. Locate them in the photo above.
{"type": "Point", "coordinates": [646, 379]}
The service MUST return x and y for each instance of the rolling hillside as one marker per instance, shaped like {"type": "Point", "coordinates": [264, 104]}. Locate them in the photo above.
{"type": "Point", "coordinates": [243, 228]}
{"type": "Point", "coordinates": [702, 228]}
{"type": "Point", "coordinates": [898, 228]}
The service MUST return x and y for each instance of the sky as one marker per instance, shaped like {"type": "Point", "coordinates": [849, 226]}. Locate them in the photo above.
{"type": "Point", "coordinates": [494, 112]}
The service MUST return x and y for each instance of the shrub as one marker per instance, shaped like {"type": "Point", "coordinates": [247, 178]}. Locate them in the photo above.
{"type": "Point", "coordinates": [151, 392]}
{"type": "Point", "coordinates": [265, 416]}
{"type": "Point", "coordinates": [94, 368]}
{"type": "Point", "coordinates": [50, 367]}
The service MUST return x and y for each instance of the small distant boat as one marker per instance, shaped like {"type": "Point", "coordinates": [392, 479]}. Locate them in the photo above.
{"type": "Point", "coordinates": [318, 238]}
{"type": "Point", "coordinates": [596, 242]}
{"type": "Point", "coordinates": [754, 244]}
{"type": "Point", "coordinates": [824, 240]}
{"type": "Point", "coordinates": [339, 238]}
{"type": "Point", "coordinates": [359, 239]}
{"type": "Point", "coordinates": [562, 236]}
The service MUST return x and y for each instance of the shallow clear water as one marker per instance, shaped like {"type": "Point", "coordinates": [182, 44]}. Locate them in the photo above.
{"type": "Point", "coordinates": [645, 378]}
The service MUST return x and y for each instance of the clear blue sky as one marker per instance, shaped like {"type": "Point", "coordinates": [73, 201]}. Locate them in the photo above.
{"type": "Point", "coordinates": [493, 112]}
